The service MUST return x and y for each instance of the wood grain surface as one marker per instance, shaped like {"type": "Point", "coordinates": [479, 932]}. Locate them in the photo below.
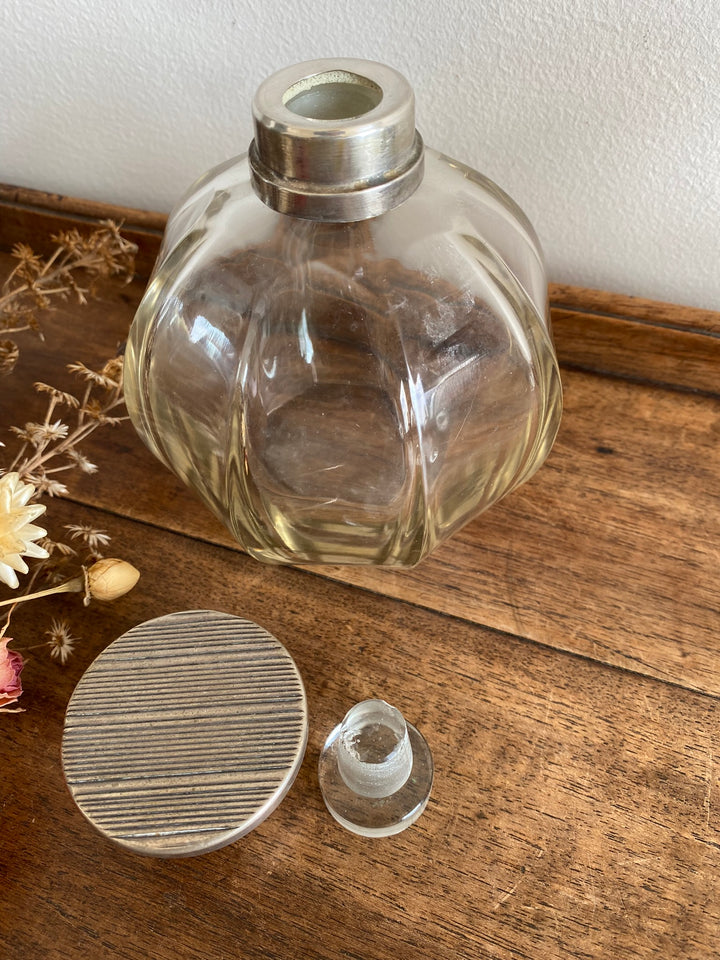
{"type": "Point", "coordinates": [574, 809]}
{"type": "Point", "coordinates": [560, 655]}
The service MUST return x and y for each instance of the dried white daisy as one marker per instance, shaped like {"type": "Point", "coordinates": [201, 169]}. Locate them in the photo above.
{"type": "Point", "coordinates": [17, 531]}
{"type": "Point", "coordinates": [61, 642]}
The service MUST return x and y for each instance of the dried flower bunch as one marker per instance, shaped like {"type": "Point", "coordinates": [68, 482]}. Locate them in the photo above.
{"type": "Point", "coordinates": [94, 406]}
{"type": "Point", "coordinates": [35, 282]}
{"type": "Point", "coordinates": [47, 449]}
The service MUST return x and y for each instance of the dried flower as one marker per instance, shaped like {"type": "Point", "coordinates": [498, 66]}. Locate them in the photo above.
{"type": "Point", "coordinates": [53, 546]}
{"type": "Point", "coordinates": [34, 282]}
{"type": "Point", "coordinates": [61, 642]}
{"type": "Point", "coordinates": [11, 664]}
{"type": "Point", "coordinates": [48, 447]}
{"type": "Point", "coordinates": [108, 377]}
{"type": "Point", "coordinates": [9, 354]}
{"type": "Point", "coordinates": [81, 461]}
{"type": "Point", "coordinates": [45, 484]}
{"type": "Point", "coordinates": [89, 535]}
{"type": "Point", "coordinates": [48, 439]}
{"type": "Point", "coordinates": [50, 432]}
{"type": "Point", "coordinates": [110, 579]}
{"type": "Point", "coordinates": [59, 396]}
{"type": "Point", "coordinates": [17, 531]}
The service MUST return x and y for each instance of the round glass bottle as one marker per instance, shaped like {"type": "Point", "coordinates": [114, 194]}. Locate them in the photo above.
{"type": "Point", "coordinates": [345, 345]}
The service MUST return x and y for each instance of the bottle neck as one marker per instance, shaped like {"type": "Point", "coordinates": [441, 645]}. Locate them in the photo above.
{"type": "Point", "coordinates": [335, 140]}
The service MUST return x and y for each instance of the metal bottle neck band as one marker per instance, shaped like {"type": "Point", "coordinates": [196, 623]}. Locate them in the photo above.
{"type": "Point", "coordinates": [335, 140]}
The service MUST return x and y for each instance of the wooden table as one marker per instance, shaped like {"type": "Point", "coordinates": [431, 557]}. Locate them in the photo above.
{"type": "Point", "coordinates": [561, 655]}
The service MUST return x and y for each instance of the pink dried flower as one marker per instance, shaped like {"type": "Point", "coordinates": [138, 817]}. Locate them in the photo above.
{"type": "Point", "coordinates": [11, 664]}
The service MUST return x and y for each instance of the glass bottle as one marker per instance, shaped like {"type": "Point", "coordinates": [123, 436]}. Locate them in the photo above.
{"type": "Point", "coordinates": [345, 345]}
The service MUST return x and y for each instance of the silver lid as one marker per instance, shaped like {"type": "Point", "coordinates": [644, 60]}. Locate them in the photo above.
{"type": "Point", "coordinates": [185, 733]}
{"type": "Point", "coordinates": [335, 140]}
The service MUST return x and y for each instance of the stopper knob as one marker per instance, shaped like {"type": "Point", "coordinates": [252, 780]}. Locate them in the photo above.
{"type": "Point", "coordinates": [375, 771]}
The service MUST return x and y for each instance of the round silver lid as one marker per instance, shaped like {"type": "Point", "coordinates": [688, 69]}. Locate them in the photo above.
{"type": "Point", "coordinates": [185, 733]}
{"type": "Point", "coordinates": [335, 140]}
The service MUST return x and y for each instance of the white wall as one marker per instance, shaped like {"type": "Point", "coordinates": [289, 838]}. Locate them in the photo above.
{"type": "Point", "coordinates": [600, 117]}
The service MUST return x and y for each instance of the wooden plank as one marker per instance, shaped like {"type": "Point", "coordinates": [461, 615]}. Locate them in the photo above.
{"type": "Point", "coordinates": [574, 810]}
{"type": "Point", "coordinates": [667, 356]}
{"type": "Point", "coordinates": [44, 202]}
{"type": "Point", "coordinates": [611, 551]}
{"type": "Point", "coordinates": [618, 335]}
{"type": "Point", "coordinates": [653, 312]}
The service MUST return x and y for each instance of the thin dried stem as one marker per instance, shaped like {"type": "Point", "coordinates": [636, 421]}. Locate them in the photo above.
{"type": "Point", "coordinates": [70, 586]}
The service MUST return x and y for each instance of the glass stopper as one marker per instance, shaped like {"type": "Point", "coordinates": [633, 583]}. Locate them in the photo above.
{"type": "Point", "coordinates": [375, 771]}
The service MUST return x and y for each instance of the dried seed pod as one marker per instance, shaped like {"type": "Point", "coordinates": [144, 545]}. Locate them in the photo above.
{"type": "Point", "coordinates": [110, 578]}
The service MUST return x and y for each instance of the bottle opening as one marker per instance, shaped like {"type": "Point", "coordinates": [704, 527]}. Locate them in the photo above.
{"type": "Point", "coordinates": [335, 95]}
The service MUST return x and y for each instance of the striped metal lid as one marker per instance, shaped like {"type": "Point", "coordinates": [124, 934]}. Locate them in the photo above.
{"type": "Point", "coordinates": [185, 733]}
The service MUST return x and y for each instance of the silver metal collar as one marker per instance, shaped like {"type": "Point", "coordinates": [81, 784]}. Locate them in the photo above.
{"type": "Point", "coordinates": [335, 140]}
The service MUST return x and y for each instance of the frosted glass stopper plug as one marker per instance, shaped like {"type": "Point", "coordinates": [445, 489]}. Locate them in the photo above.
{"type": "Point", "coordinates": [375, 771]}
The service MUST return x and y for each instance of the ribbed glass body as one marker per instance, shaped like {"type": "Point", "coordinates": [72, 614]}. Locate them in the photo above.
{"type": "Point", "coordinates": [347, 392]}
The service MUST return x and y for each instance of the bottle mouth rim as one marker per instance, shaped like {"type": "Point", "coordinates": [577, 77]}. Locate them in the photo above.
{"type": "Point", "coordinates": [337, 95]}
{"type": "Point", "coordinates": [335, 140]}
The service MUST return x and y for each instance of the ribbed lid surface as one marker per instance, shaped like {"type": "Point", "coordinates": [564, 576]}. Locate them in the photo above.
{"type": "Point", "coordinates": [185, 733]}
